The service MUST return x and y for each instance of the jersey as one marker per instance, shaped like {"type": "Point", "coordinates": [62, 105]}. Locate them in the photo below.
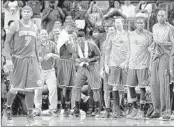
{"type": "Point", "coordinates": [117, 49]}
{"type": "Point", "coordinates": [24, 40]}
{"type": "Point", "coordinates": [139, 54]}
{"type": "Point", "coordinates": [45, 49]}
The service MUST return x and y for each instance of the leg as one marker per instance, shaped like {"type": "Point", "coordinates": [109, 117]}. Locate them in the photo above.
{"type": "Point", "coordinates": [164, 85]}
{"type": "Point", "coordinates": [132, 82]}
{"type": "Point", "coordinates": [107, 98]}
{"type": "Point", "coordinates": [116, 103]}
{"type": "Point", "coordinates": [155, 88]}
{"type": "Point", "coordinates": [96, 96]}
{"type": "Point", "coordinates": [115, 80]}
{"type": "Point", "coordinates": [84, 93]}
{"type": "Point", "coordinates": [143, 82]}
{"type": "Point", "coordinates": [52, 88]}
{"type": "Point", "coordinates": [94, 82]}
{"type": "Point", "coordinates": [38, 101]}
{"type": "Point", "coordinates": [29, 99]}
{"type": "Point", "coordinates": [142, 98]}
{"type": "Point", "coordinates": [80, 81]}
{"type": "Point", "coordinates": [90, 101]}
{"type": "Point", "coordinates": [67, 102]}
{"type": "Point", "coordinates": [59, 103]}
{"type": "Point", "coordinates": [10, 98]}
{"type": "Point", "coordinates": [38, 96]}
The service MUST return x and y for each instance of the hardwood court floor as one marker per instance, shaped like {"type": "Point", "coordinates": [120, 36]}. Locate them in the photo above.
{"type": "Point", "coordinates": [91, 121]}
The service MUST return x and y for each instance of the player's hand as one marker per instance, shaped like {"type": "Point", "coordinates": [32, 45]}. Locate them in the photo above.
{"type": "Point", "coordinates": [9, 65]}
{"type": "Point", "coordinates": [124, 65]}
{"type": "Point", "coordinates": [106, 69]}
{"type": "Point", "coordinates": [40, 59]}
{"type": "Point", "coordinates": [101, 73]}
{"type": "Point", "coordinates": [47, 56]}
{"type": "Point", "coordinates": [171, 73]}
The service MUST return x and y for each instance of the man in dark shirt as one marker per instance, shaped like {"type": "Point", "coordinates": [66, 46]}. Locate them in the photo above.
{"type": "Point", "coordinates": [50, 15]}
{"type": "Point", "coordinates": [87, 55]}
{"type": "Point", "coordinates": [36, 7]}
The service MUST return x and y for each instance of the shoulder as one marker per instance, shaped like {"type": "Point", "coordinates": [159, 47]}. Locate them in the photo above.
{"type": "Point", "coordinates": [155, 25]}
{"type": "Point", "coordinates": [14, 27]}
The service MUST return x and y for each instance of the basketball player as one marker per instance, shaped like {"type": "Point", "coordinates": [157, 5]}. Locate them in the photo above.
{"type": "Point", "coordinates": [22, 47]}
{"type": "Point", "coordinates": [116, 52]}
{"type": "Point", "coordinates": [162, 66]}
{"type": "Point", "coordinates": [138, 60]}
{"type": "Point", "coordinates": [66, 65]}
{"type": "Point", "coordinates": [87, 54]}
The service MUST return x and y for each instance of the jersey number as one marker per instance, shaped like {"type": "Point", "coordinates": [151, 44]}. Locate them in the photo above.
{"type": "Point", "coordinates": [28, 40]}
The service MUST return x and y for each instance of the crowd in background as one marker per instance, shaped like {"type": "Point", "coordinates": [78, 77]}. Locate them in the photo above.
{"type": "Point", "coordinates": [54, 15]}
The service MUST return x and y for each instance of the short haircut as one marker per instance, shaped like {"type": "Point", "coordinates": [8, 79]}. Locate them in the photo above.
{"type": "Point", "coordinates": [140, 17]}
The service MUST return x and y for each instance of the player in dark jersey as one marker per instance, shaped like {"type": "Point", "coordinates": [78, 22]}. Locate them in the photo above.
{"type": "Point", "coordinates": [22, 48]}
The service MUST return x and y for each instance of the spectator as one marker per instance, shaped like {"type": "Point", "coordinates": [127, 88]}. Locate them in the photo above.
{"type": "Point", "coordinates": [11, 11]}
{"type": "Point", "coordinates": [67, 7]}
{"type": "Point", "coordinates": [77, 13]}
{"type": "Point", "coordinates": [171, 15]}
{"type": "Point", "coordinates": [114, 11]}
{"type": "Point", "coordinates": [68, 19]}
{"type": "Point", "coordinates": [54, 34]}
{"type": "Point", "coordinates": [94, 15]}
{"type": "Point", "coordinates": [144, 9]}
{"type": "Point", "coordinates": [128, 9]}
{"type": "Point", "coordinates": [50, 15]}
{"type": "Point", "coordinates": [103, 5]}
{"type": "Point", "coordinates": [36, 7]}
